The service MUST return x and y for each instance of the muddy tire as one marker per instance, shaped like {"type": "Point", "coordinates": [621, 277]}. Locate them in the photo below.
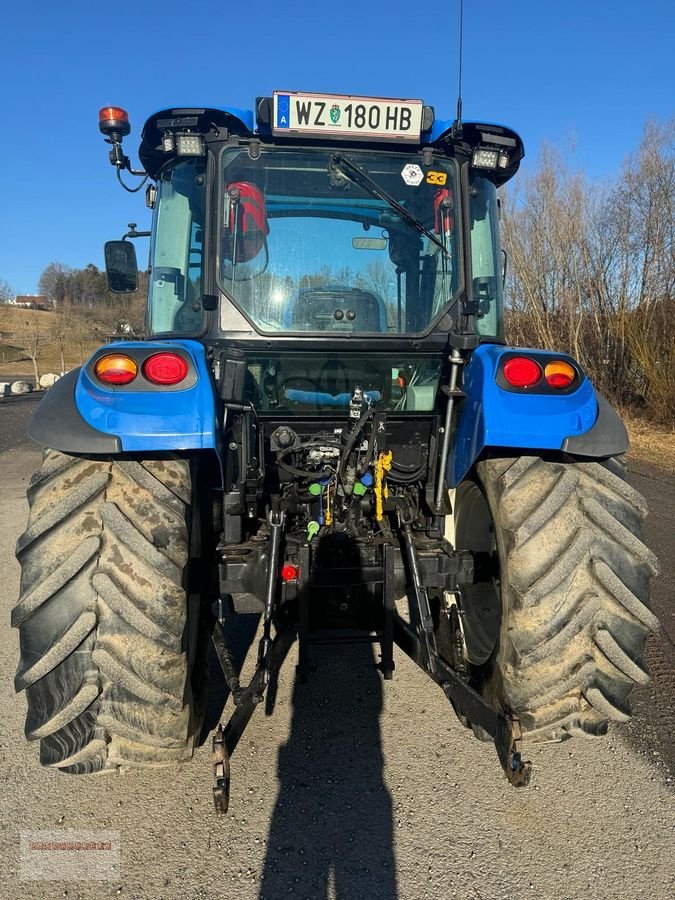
{"type": "Point", "coordinates": [103, 613]}
{"type": "Point", "coordinates": [571, 587]}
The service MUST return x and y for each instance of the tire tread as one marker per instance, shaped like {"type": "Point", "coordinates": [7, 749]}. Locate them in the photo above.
{"type": "Point", "coordinates": [103, 568]}
{"type": "Point", "coordinates": [575, 593]}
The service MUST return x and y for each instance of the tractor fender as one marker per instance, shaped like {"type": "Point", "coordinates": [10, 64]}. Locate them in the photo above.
{"type": "Point", "coordinates": [607, 437]}
{"type": "Point", "coordinates": [577, 421]}
{"type": "Point", "coordinates": [81, 415]}
{"type": "Point", "coordinates": [57, 422]}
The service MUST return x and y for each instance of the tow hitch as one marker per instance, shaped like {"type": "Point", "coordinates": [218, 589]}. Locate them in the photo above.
{"type": "Point", "coordinates": [271, 654]}
{"type": "Point", "coordinates": [416, 639]}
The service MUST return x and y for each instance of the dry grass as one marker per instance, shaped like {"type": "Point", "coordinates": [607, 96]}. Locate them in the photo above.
{"type": "Point", "coordinates": [12, 321]}
{"type": "Point", "coordinates": [13, 317]}
{"type": "Point", "coordinates": [651, 444]}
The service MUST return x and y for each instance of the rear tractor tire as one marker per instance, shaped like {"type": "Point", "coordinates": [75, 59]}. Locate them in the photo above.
{"type": "Point", "coordinates": [105, 632]}
{"type": "Point", "coordinates": [555, 627]}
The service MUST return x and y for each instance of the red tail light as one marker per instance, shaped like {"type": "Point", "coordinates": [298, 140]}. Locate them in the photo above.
{"type": "Point", "coordinates": [289, 572]}
{"type": "Point", "coordinates": [165, 368]}
{"type": "Point", "coordinates": [520, 371]}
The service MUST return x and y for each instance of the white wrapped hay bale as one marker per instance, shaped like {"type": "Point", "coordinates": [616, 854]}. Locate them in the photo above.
{"type": "Point", "coordinates": [21, 387]}
{"type": "Point", "coordinates": [49, 380]}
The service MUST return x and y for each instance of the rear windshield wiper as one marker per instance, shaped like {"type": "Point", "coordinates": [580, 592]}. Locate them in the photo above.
{"type": "Point", "coordinates": [354, 174]}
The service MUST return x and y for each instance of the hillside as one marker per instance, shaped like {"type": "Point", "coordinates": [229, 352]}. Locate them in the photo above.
{"type": "Point", "coordinates": [12, 318]}
{"type": "Point", "coordinates": [16, 327]}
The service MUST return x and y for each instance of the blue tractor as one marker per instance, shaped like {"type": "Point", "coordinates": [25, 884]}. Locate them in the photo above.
{"type": "Point", "coordinates": [325, 427]}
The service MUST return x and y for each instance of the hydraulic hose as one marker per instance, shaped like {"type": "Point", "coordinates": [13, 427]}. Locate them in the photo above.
{"type": "Point", "coordinates": [351, 441]}
{"type": "Point", "coordinates": [292, 470]}
{"type": "Point", "coordinates": [363, 465]}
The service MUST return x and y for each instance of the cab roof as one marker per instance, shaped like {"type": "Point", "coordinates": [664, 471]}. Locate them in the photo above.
{"type": "Point", "coordinates": [215, 120]}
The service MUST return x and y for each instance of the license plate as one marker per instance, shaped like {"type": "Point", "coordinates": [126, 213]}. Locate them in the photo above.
{"type": "Point", "coordinates": [340, 116]}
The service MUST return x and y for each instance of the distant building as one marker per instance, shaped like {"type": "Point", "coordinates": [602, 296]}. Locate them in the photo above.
{"type": "Point", "coordinates": [32, 301]}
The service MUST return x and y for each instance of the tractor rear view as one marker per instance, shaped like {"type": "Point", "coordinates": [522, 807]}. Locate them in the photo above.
{"type": "Point", "coordinates": [324, 426]}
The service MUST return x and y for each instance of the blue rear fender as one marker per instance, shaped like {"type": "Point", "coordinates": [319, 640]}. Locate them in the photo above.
{"type": "Point", "coordinates": [82, 415]}
{"type": "Point", "coordinates": [157, 419]}
{"type": "Point", "coordinates": [578, 421]}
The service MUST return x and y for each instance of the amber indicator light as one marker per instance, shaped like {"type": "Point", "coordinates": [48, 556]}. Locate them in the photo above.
{"type": "Point", "coordinates": [559, 374]}
{"type": "Point", "coordinates": [115, 369]}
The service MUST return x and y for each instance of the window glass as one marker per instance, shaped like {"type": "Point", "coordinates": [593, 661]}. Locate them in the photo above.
{"type": "Point", "coordinates": [307, 245]}
{"type": "Point", "coordinates": [486, 257]}
{"type": "Point", "coordinates": [176, 255]}
{"type": "Point", "coordinates": [312, 382]}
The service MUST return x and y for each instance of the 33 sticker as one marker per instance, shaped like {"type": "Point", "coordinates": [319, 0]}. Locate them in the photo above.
{"type": "Point", "coordinates": [438, 178]}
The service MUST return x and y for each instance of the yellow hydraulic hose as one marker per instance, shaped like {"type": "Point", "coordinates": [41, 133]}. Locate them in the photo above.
{"type": "Point", "coordinates": [382, 466]}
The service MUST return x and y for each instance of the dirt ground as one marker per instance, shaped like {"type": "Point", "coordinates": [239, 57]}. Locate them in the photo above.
{"type": "Point", "coordinates": [358, 788]}
{"type": "Point", "coordinates": [651, 445]}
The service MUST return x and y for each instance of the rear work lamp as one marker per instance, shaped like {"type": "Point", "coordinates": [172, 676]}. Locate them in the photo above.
{"type": "Point", "coordinates": [483, 158]}
{"type": "Point", "coordinates": [189, 144]}
{"type": "Point", "coordinates": [489, 158]}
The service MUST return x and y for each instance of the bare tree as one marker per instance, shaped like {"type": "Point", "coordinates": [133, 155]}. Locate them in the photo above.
{"type": "Point", "coordinates": [547, 238]}
{"type": "Point", "coordinates": [60, 331]}
{"type": "Point", "coordinates": [54, 283]}
{"type": "Point", "coordinates": [32, 339]}
{"type": "Point", "coordinates": [6, 292]}
{"type": "Point", "coordinates": [593, 270]}
{"type": "Point", "coordinates": [641, 231]}
{"type": "Point", "coordinates": [83, 332]}
{"type": "Point", "coordinates": [643, 207]}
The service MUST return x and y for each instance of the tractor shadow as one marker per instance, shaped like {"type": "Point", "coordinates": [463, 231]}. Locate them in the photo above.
{"type": "Point", "coordinates": [331, 833]}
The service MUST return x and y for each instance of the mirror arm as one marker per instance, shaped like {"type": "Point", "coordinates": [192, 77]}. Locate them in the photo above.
{"type": "Point", "coordinates": [132, 233]}
{"type": "Point", "coordinates": [141, 173]}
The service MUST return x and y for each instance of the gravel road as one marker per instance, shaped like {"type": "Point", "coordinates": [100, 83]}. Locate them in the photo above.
{"type": "Point", "coordinates": [357, 789]}
{"type": "Point", "coordinates": [14, 413]}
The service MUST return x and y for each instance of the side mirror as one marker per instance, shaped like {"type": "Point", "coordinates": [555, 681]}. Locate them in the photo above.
{"type": "Point", "coordinates": [121, 267]}
{"type": "Point", "coordinates": [505, 260]}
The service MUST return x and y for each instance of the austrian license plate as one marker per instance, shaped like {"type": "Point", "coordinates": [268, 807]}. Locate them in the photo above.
{"type": "Point", "coordinates": [334, 115]}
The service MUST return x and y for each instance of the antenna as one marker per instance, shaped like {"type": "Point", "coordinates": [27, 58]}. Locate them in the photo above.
{"type": "Point", "coordinates": [457, 124]}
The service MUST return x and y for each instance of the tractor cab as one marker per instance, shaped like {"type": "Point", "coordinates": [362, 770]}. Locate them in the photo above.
{"type": "Point", "coordinates": [351, 220]}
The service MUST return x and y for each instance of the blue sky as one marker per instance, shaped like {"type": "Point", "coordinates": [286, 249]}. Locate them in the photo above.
{"type": "Point", "coordinates": [584, 74]}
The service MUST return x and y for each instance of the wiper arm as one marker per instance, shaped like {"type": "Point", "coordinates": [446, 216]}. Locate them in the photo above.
{"type": "Point", "coordinates": [355, 175]}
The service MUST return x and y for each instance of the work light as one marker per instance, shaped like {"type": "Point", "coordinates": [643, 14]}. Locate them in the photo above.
{"type": "Point", "coordinates": [189, 145]}
{"type": "Point", "coordinates": [484, 158]}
